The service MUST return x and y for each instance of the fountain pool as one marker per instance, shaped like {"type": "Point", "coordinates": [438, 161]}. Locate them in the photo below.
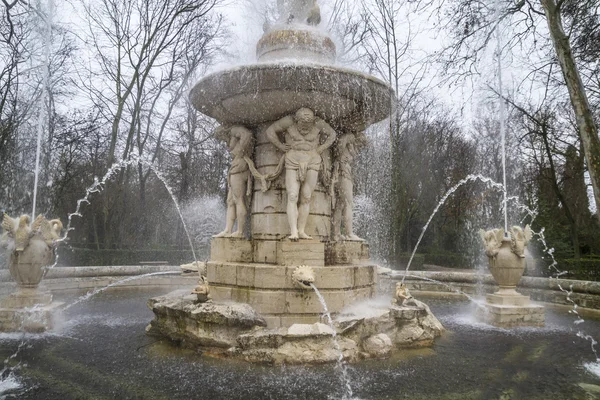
{"type": "Point", "coordinates": [94, 355]}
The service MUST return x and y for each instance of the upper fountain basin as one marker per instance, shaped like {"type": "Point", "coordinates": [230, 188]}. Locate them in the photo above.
{"type": "Point", "coordinates": [264, 92]}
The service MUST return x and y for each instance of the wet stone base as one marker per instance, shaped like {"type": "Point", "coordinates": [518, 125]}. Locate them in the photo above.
{"type": "Point", "coordinates": [33, 320]}
{"type": "Point", "coordinates": [27, 310]}
{"type": "Point", "coordinates": [507, 316]}
{"type": "Point", "coordinates": [236, 330]}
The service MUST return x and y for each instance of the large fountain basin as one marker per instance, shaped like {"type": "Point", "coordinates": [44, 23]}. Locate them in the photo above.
{"type": "Point", "coordinates": [101, 352]}
{"type": "Point", "coordinates": [265, 92]}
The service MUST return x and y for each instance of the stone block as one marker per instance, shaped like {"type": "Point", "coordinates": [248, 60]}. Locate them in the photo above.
{"type": "Point", "coordinates": [511, 316]}
{"type": "Point", "coordinates": [273, 321]}
{"type": "Point", "coordinates": [25, 298]}
{"type": "Point", "coordinates": [365, 275]}
{"type": "Point", "coordinates": [344, 252]}
{"type": "Point", "coordinates": [338, 277]}
{"type": "Point", "coordinates": [265, 251]}
{"type": "Point", "coordinates": [508, 300]}
{"type": "Point", "coordinates": [302, 252]}
{"type": "Point", "coordinates": [230, 250]}
{"type": "Point", "coordinates": [220, 293]}
{"type": "Point", "coordinates": [267, 302]}
{"type": "Point", "coordinates": [271, 277]}
{"type": "Point", "coordinates": [245, 275]}
{"type": "Point", "coordinates": [221, 273]}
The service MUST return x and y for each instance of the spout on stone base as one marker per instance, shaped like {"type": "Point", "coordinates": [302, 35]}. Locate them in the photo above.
{"type": "Point", "coordinates": [303, 277]}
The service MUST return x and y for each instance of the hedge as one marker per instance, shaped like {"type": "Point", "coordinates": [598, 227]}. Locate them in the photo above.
{"type": "Point", "coordinates": [583, 268]}
{"type": "Point", "coordinates": [449, 260]}
{"type": "Point", "coordinates": [68, 256]}
{"type": "Point", "coordinates": [402, 262]}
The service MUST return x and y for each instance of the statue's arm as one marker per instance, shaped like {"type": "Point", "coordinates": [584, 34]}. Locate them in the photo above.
{"type": "Point", "coordinates": [279, 126]}
{"type": "Point", "coordinates": [244, 137]}
{"type": "Point", "coordinates": [329, 133]}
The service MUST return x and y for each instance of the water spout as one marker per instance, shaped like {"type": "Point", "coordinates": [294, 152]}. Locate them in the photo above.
{"type": "Point", "coordinates": [341, 365]}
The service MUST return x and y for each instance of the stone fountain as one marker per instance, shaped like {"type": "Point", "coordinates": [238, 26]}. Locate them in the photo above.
{"type": "Point", "coordinates": [30, 249]}
{"type": "Point", "coordinates": [508, 308]}
{"type": "Point", "coordinates": [293, 123]}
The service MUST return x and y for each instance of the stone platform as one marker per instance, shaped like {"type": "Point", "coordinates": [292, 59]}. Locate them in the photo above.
{"type": "Point", "coordinates": [508, 309]}
{"type": "Point", "coordinates": [27, 310]}
{"type": "Point", "coordinates": [259, 273]}
{"type": "Point", "coordinates": [269, 289]}
{"type": "Point", "coordinates": [231, 329]}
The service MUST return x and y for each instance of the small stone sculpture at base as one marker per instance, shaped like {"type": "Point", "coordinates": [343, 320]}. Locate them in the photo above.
{"type": "Point", "coordinates": [202, 291]}
{"type": "Point", "coordinates": [402, 295]}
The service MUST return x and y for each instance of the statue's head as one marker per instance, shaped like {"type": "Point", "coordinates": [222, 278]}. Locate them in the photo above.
{"type": "Point", "coordinates": [305, 115]}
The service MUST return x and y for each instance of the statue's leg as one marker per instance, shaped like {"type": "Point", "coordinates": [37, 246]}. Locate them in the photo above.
{"type": "Point", "coordinates": [337, 215]}
{"type": "Point", "coordinates": [238, 188]}
{"type": "Point", "coordinates": [292, 186]}
{"type": "Point", "coordinates": [308, 187]}
{"type": "Point", "coordinates": [348, 200]}
{"type": "Point", "coordinates": [230, 218]}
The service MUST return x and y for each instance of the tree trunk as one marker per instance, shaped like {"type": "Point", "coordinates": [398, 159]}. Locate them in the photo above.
{"type": "Point", "coordinates": [588, 131]}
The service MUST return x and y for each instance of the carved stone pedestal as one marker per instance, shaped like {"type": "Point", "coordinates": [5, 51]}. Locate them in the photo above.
{"type": "Point", "coordinates": [231, 249]}
{"type": "Point", "coordinates": [269, 289]}
{"type": "Point", "coordinates": [346, 252]}
{"type": "Point", "coordinates": [27, 310]}
{"type": "Point", "coordinates": [508, 308]}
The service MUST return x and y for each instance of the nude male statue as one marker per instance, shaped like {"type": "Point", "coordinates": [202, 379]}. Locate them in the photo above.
{"type": "Point", "coordinates": [346, 149]}
{"type": "Point", "coordinates": [302, 147]}
{"type": "Point", "coordinates": [239, 141]}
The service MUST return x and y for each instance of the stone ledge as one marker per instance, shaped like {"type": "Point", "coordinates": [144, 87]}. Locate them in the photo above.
{"type": "Point", "coordinates": [276, 277]}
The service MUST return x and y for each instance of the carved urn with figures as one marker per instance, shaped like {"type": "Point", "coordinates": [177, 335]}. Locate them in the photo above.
{"type": "Point", "coordinates": [507, 255]}
{"type": "Point", "coordinates": [30, 247]}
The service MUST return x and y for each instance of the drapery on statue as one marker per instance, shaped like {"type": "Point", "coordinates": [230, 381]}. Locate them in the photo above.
{"type": "Point", "coordinates": [239, 181]}
{"type": "Point", "coordinates": [346, 149]}
{"type": "Point", "coordinates": [302, 147]}
{"type": "Point", "coordinates": [301, 11]}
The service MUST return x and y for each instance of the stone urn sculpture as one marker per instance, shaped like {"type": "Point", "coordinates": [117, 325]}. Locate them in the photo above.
{"type": "Point", "coordinates": [30, 249]}
{"type": "Point", "coordinates": [507, 256]}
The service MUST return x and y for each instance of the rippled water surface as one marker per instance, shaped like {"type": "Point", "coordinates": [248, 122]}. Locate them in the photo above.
{"type": "Point", "coordinates": [100, 351]}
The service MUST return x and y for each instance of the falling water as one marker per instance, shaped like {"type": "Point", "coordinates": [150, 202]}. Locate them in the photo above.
{"type": "Point", "coordinates": [117, 283]}
{"type": "Point", "coordinates": [469, 178]}
{"type": "Point", "coordinates": [341, 365]}
{"type": "Point", "coordinates": [47, 38]}
{"type": "Point", "coordinates": [502, 117]}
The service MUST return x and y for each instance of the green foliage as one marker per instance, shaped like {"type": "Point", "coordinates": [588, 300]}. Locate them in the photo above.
{"type": "Point", "coordinates": [85, 257]}
{"type": "Point", "coordinates": [448, 260]}
{"type": "Point", "coordinates": [404, 258]}
{"type": "Point", "coordinates": [582, 269]}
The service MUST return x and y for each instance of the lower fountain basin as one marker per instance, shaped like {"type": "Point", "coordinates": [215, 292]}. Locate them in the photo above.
{"type": "Point", "coordinates": [100, 351]}
{"type": "Point", "coordinates": [258, 93]}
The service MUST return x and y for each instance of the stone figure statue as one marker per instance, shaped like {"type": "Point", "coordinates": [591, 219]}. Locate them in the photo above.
{"type": "Point", "coordinates": [239, 181]}
{"type": "Point", "coordinates": [202, 291]}
{"type": "Point", "coordinates": [345, 151]}
{"type": "Point", "coordinates": [299, 11]}
{"type": "Point", "coordinates": [519, 239]}
{"type": "Point", "coordinates": [401, 295]}
{"type": "Point", "coordinates": [305, 138]}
